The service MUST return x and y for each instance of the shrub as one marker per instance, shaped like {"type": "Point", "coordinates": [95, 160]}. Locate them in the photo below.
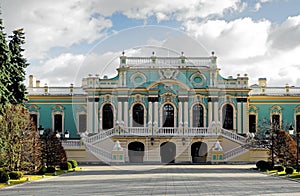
{"type": "Point", "coordinates": [3, 177]}
{"type": "Point", "coordinates": [74, 163]}
{"type": "Point", "coordinates": [263, 165]}
{"type": "Point", "coordinates": [289, 170]}
{"type": "Point", "coordinates": [65, 166]}
{"type": "Point", "coordinates": [15, 175]}
{"type": "Point", "coordinates": [43, 170]}
{"type": "Point", "coordinates": [279, 168]}
{"type": "Point", "coordinates": [50, 169]}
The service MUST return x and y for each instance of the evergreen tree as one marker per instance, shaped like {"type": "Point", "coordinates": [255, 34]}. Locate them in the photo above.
{"type": "Point", "coordinates": [285, 148]}
{"type": "Point", "coordinates": [18, 65]}
{"type": "Point", "coordinates": [20, 144]}
{"type": "Point", "coordinates": [5, 79]}
{"type": "Point", "coordinates": [52, 150]}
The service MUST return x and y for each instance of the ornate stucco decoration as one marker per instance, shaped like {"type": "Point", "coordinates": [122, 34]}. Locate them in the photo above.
{"type": "Point", "coordinates": [58, 108]}
{"type": "Point", "coordinates": [168, 97]}
{"type": "Point", "coordinates": [253, 109]}
{"type": "Point", "coordinates": [138, 78]}
{"type": "Point", "coordinates": [33, 108]}
{"type": "Point", "coordinates": [198, 79]}
{"type": "Point", "coordinates": [276, 109]}
{"type": "Point", "coordinates": [170, 74]}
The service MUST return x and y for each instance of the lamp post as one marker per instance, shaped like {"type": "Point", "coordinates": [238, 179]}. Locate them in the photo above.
{"type": "Point", "coordinates": [41, 130]}
{"type": "Point", "coordinates": [292, 132]}
{"type": "Point", "coordinates": [271, 134]}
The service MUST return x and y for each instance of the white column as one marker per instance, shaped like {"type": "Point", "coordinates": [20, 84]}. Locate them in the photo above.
{"type": "Point", "coordinates": [90, 116]}
{"type": "Point", "coordinates": [216, 111]}
{"type": "Point", "coordinates": [185, 110]}
{"type": "Point", "coordinates": [245, 117]}
{"type": "Point", "coordinates": [156, 112]}
{"type": "Point", "coordinates": [124, 78]}
{"type": "Point", "coordinates": [180, 112]}
{"type": "Point", "coordinates": [150, 112]}
{"type": "Point", "coordinates": [96, 118]}
{"type": "Point", "coordinates": [126, 114]}
{"type": "Point", "coordinates": [119, 111]}
{"type": "Point", "coordinates": [121, 80]}
{"type": "Point", "coordinates": [210, 109]}
{"type": "Point", "coordinates": [239, 117]}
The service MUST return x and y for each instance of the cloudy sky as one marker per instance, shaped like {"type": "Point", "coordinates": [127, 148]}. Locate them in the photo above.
{"type": "Point", "coordinates": [66, 40]}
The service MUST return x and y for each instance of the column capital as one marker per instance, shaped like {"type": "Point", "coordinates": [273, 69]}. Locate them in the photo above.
{"type": "Point", "coordinates": [213, 99]}
{"type": "Point", "coordinates": [183, 99]}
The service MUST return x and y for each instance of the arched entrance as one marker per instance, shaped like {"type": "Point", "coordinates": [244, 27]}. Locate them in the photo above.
{"type": "Point", "coordinates": [136, 152]}
{"type": "Point", "coordinates": [138, 115]}
{"type": "Point", "coordinates": [227, 112]}
{"type": "Point", "coordinates": [199, 152]}
{"type": "Point", "coordinates": [168, 152]}
{"type": "Point", "coordinates": [107, 116]}
{"type": "Point", "coordinates": [198, 116]}
{"type": "Point", "coordinates": [168, 115]}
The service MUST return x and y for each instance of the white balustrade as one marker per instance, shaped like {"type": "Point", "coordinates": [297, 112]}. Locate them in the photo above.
{"type": "Point", "coordinates": [99, 152]}
{"type": "Point", "coordinates": [100, 136]}
{"type": "Point", "coordinates": [235, 152]}
{"type": "Point", "coordinates": [168, 131]}
{"type": "Point", "coordinates": [137, 131]}
{"type": "Point", "coordinates": [233, 136]}
{"type": "Point", "coordinates": [71, 144]}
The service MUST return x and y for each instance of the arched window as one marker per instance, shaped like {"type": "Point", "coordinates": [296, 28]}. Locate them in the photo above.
{"type": "Point", "coordinates": [227, 112]}
{"type": "Point", "coordinates": [198, 116]}
{"type": "Point", "coordinates": [107, 117]}
{"type": "Point", "coordinates": [168, 116]}
{"type": "Point", "coordinates": [138, 115]}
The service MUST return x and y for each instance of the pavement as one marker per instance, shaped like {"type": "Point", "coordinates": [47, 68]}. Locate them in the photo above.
{"type": "Point", "coordinates": [160, 180]}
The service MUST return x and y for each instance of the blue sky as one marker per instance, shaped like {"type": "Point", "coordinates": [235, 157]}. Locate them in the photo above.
{"type": "Point", "coordinates": [66, 40]}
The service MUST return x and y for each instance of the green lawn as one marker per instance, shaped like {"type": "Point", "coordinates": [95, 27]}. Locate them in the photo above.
{"type": "Point", "coordinates": [36, 177]}
{"type": "Point", "coordinates": [295, 175]}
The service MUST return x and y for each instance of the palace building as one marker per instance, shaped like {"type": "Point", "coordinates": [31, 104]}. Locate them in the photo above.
{"type": "Point", "coordinates": [163, 109]}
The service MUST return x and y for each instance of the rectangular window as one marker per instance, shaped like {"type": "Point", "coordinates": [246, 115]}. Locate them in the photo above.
{"type": "Point", "coordinates": [82, 123]}
{"type": "Point", "coordinates": [297, 123]}
{"type": "Point", "coordinates": [33, 117]}
{"type": "Point", "coordinates": [58, 123]}
{"type": "Point", "coordinates": [276, 120]}
{"type": "Point", "coordinates": [252, 123]}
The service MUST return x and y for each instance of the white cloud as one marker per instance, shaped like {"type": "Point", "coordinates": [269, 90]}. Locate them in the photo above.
{"type": "Point", "coordinates": [238, 39]}
{"type": "Point", "coordinates": [58, 71]}
{"type": "Point", "coordinates": [257, 7]}
{"type": "Point", "coordinates": [50, 24]}
{"type": "Point", "coordinates": [253, 47]}
{"type": "Point", "coordinates": [286, 36]}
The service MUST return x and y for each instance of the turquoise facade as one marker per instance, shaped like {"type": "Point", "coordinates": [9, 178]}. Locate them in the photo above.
{"type": "Point", "coordinates": [163, 92]}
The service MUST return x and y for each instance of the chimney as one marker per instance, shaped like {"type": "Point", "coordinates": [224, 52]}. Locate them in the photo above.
{"type": "Point", "coordinates": [71, 88]}
{"type": "Point", "coordinates": [38, 83]}
{"type": "Point", "coordinates": [287, 89]}
{"type": "Point", "coordinates": [30, 81]}
{"type": "Point", "coordinates": [262, 82]}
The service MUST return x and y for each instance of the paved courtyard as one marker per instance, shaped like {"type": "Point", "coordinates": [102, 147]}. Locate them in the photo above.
{"type": "Point", "coordinates": [160, 180]}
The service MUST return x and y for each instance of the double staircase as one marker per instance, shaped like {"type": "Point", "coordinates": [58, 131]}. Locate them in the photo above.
{"type": "Point", "coordinates": [100, 147]}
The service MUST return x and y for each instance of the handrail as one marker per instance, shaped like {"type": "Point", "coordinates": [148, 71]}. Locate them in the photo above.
{"type": "Point", "coordinates": [235, 152]}
{"type": "Point", "coordinates": [71, 144]}
{"type": "Point", "coordinates": [100, 136]}
{"type": "Point", "coordinates": [233, 136]}
{"type": "Point", "coordinates": [99, 152]}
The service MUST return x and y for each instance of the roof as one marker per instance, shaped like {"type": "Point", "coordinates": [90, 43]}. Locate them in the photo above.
{"type": "Point", "coordinates": [275, 91]}
{"type": "Point", "coordinates": [63, 91]}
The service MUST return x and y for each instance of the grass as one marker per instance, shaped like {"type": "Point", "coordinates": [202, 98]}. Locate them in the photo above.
{"type": "Point", "coordinates": [295, 175]}
{"type": "Point", "coordinates": [36, 177]}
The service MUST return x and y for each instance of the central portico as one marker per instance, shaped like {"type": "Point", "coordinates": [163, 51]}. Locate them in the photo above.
{"type": "Point", "coordinates": [166, 109]}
